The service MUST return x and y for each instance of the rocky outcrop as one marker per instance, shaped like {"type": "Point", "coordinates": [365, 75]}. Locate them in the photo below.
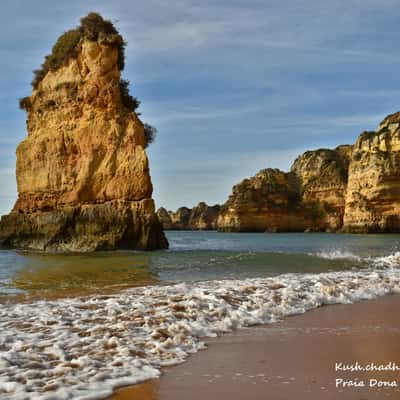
{"type": "Point", "coordinates": [204, 217]}
{"type": "Point", "coordinates": [269, 201]}
{"type": "Point", "coordinates": [201, 217]}
{"type": "Point", "coordinates": [352, 188]}
{"type": "Point", "coordinates": [82, 172]}
{"type": "Point", "coordinates": [373, 191]}
{"type": "Point", "coordinates": [310, 197]}
{"type": "Point", "coordinates": [165, 218]}
{"type": "Point", "coordinates": [323, 176]}
{"type": "Point", "coordinates": [180, 218]}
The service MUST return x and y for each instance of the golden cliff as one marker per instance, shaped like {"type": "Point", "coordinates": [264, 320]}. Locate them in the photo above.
{"type": "Point", "coordinates": [373, 191]}
{"type": "Point", "coordinates": [82, 172]}
{"type": "Point", "coordinates": [351, 188]}
{"type": "Point", "coordinates": [322, 176]}
{"type": "Point", "coordinates": [268, 201]}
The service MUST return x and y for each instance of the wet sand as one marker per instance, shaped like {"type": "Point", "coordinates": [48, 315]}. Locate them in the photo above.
{"type": "Point", "coordinates": [293, 359]}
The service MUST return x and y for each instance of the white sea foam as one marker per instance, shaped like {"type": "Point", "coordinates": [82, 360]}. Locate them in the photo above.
{"type": "Point", "coordinates": [392, 260]}
{"type": "Point", "coordinates": [337, 254]}
{"type": "Point", "coordinates": [81, 348]}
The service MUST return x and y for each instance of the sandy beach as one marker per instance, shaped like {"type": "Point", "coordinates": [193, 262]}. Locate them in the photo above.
{"type": "Point", "coordinates": [293, 359]}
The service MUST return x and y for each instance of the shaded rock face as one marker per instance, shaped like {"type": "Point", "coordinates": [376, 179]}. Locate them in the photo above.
{"type": "Point", "coordinates": [373, 192]}
{"type": "Point", "coordinates": [180, 219]}
{"type": "Point", "coordinates": [201, 217]}
{"type": "Point", "coordinates": [204, 217]}
{"type": "Point", "coordinates": [82, 172]}
{"type": "Point", "coordinates": [165, 218]}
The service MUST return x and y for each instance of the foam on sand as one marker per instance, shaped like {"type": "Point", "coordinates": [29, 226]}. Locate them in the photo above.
{"type": "Point", "coordinates": [81, 348]}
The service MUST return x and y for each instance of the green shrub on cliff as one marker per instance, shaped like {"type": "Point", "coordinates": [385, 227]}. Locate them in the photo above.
{"type": "Point", "coordinates": [150, 133]}
{"type": "Point", "coordinates": [130, 102]}
{"type": "Point", "coordinates": [91, 27]}
{"type": "Point", "coordinates": [25, 103]}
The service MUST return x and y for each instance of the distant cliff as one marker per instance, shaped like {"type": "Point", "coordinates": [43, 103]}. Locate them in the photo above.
{"type": "Point", "coordinates": [201, 217]}
{"type": "Point", "coordinates": [310, 197]}
{"type": "Point", "coordinates": [352, 188]}
{"type": "Point", "coordinates": [268, 201]}
{"type": "Point", "coordinates": [373, 190]}
{"type": "Point", "coordinates": [82, 172]}
{"type": "Point", "coordinates": [322, 175]}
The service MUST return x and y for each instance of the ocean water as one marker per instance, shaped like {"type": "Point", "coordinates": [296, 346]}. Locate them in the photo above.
{"type": "Point", "coordinates": [76, 326]}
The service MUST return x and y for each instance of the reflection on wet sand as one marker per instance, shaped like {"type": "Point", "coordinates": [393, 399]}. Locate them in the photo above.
{"type": "Point", "coordinates": [145, 391]}
{"type": "Point", "coordinates": [59, 275]}
{"type": "Point", "coordinates": [294, 359]}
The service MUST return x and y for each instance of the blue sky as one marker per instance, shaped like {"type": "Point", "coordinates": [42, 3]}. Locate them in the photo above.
{"type": "Point", "coordinates": [232, 86]}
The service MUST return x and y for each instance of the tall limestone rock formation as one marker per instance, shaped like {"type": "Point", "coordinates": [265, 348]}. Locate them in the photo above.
{"type": "Point", "coordinates": [373, 191]}
{"type": "Point", "coordinates": [323, 178]}
{"type": "Point", "coordinates": [82, 172]}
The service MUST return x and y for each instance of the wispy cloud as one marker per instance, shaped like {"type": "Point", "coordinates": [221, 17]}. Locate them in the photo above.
{"type": "Point", "coordinates": [233, 86]}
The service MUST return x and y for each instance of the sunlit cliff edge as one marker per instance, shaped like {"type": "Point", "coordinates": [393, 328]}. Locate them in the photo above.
{"type": "Point", "coordinates": [82, 172]}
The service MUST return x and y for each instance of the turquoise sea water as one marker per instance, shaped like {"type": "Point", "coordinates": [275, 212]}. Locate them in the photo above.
{"type": "Point", "coordinates": [193, 256]}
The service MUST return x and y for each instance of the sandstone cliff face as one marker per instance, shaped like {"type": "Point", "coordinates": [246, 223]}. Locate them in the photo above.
{"type": "Point", "coordinates": [311, 197]}
{"type": "Point", "coordinates": [353, 188]}
{"type": "Point", "coordinates": [269, 201]}
{"type": "Point", "coordinates": [82, 172]}
{"type": "Point", "coordinates": [373, 192]}
{"type": "Point", "coordinates": [201, 217]}
{"type": "Point", "coordinates": [322, 176]}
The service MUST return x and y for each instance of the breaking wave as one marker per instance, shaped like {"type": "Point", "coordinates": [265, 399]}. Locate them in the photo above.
{"type": "Point", "coordinates": [82, 348]}
{"type": "Point", "coordinates": [337, 255]}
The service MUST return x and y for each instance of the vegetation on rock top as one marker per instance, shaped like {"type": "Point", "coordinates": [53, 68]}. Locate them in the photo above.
{"type": "Point", "coordinates": [92, 27]}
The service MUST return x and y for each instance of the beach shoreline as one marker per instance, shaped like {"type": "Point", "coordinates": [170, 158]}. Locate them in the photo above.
{"type": "Point", "coordinates": [292, 359]}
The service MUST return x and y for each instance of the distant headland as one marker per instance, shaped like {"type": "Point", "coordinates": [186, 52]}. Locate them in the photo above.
{"type": "Point", "coordinates": [352, 188]}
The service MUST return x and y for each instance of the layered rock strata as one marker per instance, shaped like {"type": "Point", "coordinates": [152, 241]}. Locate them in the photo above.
{"type": "Point", "coordinates": [322, 176]}
{"type": "Point", "coordinates": [82, 172]}
{"type": "Point", "coordinates": [373, 190]}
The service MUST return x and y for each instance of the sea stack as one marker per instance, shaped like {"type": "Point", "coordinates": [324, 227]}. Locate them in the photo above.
{"type": "Point", "coordinates": [82, 171]}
